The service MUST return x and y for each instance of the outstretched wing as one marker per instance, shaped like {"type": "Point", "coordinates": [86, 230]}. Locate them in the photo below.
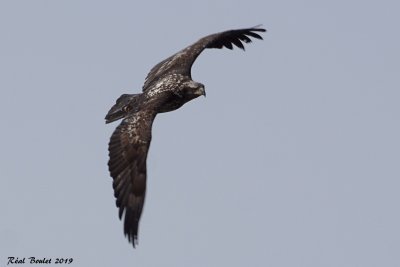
{"type": "Point", "coordinates": [181, 62]}
{"type": "Point", "coordinates": [128, 149]}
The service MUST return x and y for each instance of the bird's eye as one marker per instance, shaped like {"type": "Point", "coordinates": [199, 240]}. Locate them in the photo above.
{"type": "Point", "coordinates": [126, 109]}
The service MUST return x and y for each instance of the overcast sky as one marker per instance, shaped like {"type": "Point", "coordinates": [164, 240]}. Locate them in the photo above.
{"type": "Point", "coordinates": [293, 159]}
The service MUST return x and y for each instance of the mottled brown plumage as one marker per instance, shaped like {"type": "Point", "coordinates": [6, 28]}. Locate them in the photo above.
{"type": "Point", "coordinates": [167, 87]}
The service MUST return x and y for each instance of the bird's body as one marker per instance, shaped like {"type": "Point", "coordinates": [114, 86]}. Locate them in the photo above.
{"type": "Point", "coordinates": [167, 87]}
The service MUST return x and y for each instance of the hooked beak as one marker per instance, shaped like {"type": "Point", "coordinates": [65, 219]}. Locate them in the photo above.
{"type": "Point", "coordinates": [201, 91]}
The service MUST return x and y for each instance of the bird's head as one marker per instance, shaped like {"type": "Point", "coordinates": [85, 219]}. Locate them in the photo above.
{"type": "Point", "coordinates": [124, 105]}
{"type": "Point", "coordinates": [194, 89]}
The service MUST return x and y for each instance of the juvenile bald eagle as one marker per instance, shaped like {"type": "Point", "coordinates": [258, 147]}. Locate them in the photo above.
{"type": "Point", "coordinates": [167, 87]}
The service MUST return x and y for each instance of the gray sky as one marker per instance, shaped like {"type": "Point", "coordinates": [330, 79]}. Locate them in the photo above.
{"type": "Point", "coordinates": [291, 160]}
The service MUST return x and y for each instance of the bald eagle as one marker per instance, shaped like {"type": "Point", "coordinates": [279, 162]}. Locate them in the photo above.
{"type": "Point", "coordinates": [167, 87]}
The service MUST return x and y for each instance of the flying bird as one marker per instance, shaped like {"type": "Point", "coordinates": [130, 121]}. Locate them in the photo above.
{"type": "Point", "coordinates": [167, 87]}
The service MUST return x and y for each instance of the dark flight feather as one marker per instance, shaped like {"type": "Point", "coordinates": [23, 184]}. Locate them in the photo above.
{"type": "Point", "coordinates": [181, 62]}
{"type": "Point", "coordinates": [128, 149]}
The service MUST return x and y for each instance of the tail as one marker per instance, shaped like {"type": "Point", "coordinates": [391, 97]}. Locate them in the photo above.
{"type": "Point", "coordinates": [125, 103]}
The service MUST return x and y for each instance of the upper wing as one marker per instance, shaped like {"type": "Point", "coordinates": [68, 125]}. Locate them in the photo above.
{"type": "Point", "coordinates": [128, 149]}
{"type": "Point", "coordinates": [182, 61]}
